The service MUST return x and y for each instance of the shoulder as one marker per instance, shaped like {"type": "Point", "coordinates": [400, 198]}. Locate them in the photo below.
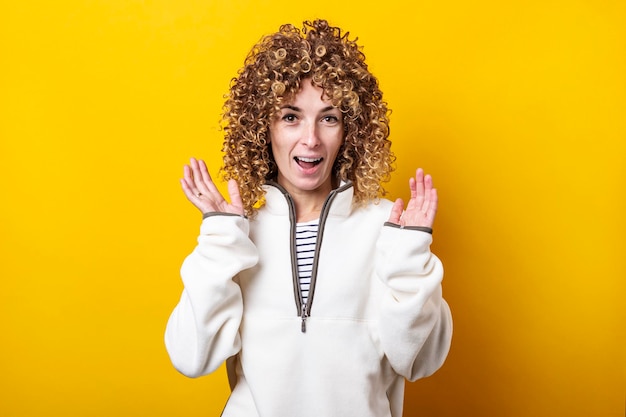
{"type": "Point", "coordinates": [378, 205]}
{"type": "Point", "coordinates": [375, 210]}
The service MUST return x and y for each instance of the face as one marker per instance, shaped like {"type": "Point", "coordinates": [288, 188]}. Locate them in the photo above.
{"type": "Point", "coordinates": [305, 138]}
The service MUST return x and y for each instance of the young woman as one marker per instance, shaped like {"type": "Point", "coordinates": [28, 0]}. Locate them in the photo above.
{"type": "Point", "coordinates": [321, 296]}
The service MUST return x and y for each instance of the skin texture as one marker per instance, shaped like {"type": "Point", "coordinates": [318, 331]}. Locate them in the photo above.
{"type": "Point", "coordinates": [308, 127]}
{"type": "Point", "coordinates": [200, 189]}
{"type": "Point", "coordinates": [422, 206]}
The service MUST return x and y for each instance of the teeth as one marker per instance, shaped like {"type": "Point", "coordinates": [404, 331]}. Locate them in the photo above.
{"type": "Point", "coordinates": [309, 159]}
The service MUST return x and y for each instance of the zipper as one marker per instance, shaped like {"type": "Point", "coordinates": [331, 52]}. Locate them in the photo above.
{"type": "Point", "coordinates": [304, 315]}
{"type": "Point", "coordinates": [304, 309]}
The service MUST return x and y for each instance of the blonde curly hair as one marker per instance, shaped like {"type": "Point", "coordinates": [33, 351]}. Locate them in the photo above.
{"type": "Point", "coordinates": [272, 74]}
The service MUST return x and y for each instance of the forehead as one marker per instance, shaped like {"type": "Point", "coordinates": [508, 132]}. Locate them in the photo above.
{"type": "Point", "coordinates": [309, 96]}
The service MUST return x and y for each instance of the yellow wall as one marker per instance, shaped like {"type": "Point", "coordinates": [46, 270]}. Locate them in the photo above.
{"type": "Point", "coordinates": [518, 109]}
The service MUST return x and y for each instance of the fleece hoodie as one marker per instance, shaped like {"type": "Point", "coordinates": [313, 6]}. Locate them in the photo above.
{"type": "Point", "coordinates": [375, 314]}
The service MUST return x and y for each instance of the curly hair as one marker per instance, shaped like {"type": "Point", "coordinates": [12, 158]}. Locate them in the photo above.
{"type": "Point", "coordinates": [272, 74]}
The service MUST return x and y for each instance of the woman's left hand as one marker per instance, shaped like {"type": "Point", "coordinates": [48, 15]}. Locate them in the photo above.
{"type": "Point", "coordinates": [422, 206]}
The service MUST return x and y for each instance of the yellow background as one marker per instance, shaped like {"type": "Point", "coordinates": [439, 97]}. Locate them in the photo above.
{"type": "Point", "coordinates": [518, 109]}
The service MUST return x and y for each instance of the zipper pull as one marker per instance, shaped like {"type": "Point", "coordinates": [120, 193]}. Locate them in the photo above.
{"type": "Point", "coordinates": [304, 316]}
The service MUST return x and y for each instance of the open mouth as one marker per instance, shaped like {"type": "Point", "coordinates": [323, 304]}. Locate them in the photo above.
{"type": "Point", "coordinates": [307, 162]}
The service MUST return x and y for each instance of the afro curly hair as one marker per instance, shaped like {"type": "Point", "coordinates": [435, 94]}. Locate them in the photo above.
{"type": "Point", "coordinates": [272, 75]}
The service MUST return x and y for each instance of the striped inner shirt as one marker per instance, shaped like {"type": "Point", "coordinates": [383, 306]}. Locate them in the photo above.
{"type": "Point", "coordinates": [306, 240]}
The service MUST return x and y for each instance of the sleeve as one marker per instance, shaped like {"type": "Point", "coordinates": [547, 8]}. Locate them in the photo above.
{"type": "Point", "coordinates": [203, 329]}
{"type": "Point", "coordinates": [415, 323]}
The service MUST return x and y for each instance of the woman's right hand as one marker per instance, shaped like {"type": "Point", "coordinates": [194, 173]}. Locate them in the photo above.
{"type": "Point", "coordinates": [200, 189]}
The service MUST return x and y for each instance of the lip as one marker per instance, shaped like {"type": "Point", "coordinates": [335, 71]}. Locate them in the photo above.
{"type": "Point", "coordinates": [309, 158]}
{"type": "Point", "coordinates": [308, 165]}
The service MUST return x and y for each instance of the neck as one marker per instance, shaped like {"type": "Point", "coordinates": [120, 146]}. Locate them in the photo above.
{"type": "Point", "coordinates": [308, 206]}
{"type": "Point", "coordinates": [308, 203]}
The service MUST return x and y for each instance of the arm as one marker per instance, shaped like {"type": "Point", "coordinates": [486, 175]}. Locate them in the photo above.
{"type": "Point", "coordinates": [202, 331]}
{"type": "Point", "coordinates": [415, 326]}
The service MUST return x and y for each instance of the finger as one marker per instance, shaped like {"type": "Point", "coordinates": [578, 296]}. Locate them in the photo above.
{"type": "Point", "coordinates": [235, 196]}
{"type": "Point", "coordinates": [427, 187]}
{"type": "Point", "coordinates": [198, 185]}
{"type": "Point", "coordinates": [396, 211]}
{"type": "Point", "coordinates": [189, 184]}
{"type": "Point", "coordinates": [428, 183]}
{"type": "Point", "coordinates": [432, 207]}
{"type": "Point", "coordinates": [204, 172]}
{"type": "Point", "coordinates": [413, 187]}
{"type": "Point", "coordinates": [188, 174]}
{"type": "Point", "coordinates": [189, 193]}
{"type": "Point", "coordinates": [417, 190]}
{"type": "Point", "coordinates": [194, 187]}
{"type": "Point", "coordinates": [207, 181]}
{"type": "Point", "coordinates": [419, 183]}
{"type": "Point", "coordinates": [196, 176]}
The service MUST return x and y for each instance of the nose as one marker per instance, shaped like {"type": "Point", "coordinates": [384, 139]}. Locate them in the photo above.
{"type": "Point", "coordinates": [310, 136]}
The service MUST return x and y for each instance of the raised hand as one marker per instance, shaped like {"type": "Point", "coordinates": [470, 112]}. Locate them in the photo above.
{"type": "Point", "coordinates": [200, 189]}
{"type": "Point", "coordinates": [422, 206]}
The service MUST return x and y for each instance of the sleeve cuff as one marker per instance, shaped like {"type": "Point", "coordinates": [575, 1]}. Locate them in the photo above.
{"type": "Point", "coordinates": [419, 228]}
{"type": "Point", "coordinates": [219, 213]}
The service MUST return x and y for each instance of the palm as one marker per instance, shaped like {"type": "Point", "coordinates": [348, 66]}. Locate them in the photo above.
{"type": "Point", "coordinates": [201, 191]}
{"type": "Point", "coordinates": [422, 207]}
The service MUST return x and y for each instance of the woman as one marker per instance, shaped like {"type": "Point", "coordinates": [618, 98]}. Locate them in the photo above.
{"type": "Point", "coordinates": [321, 296]}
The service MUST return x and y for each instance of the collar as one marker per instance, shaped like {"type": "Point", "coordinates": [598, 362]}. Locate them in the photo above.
{"type": "Point", "coordinates": [278, 200]}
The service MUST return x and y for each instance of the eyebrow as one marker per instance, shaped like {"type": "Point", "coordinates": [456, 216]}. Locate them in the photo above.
{"type": "Point", "coordinates": [298, 109]}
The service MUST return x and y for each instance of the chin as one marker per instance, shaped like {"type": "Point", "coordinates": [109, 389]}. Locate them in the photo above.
{"type": "Point", "coordinates": [310, 185]}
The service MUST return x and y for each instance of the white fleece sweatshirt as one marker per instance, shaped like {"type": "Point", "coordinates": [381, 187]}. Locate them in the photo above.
{"type": "Point", "coordinates": [374, 318]}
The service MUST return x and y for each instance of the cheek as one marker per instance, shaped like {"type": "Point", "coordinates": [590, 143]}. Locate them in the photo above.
{"type": "Point", "coordinates": [279, 151]}
{"type": "Point", "coordinates": [339, 141]}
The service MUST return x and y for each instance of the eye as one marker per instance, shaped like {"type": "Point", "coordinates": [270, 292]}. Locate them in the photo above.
{"type": "Point", "coordinates": [289, 117]}
{"type": "Point", "coordinates": [329, 118]}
